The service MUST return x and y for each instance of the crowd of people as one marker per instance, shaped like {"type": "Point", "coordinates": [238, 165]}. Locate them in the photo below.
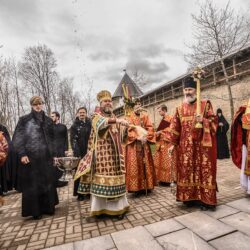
{"type": "Point", "coordinates": [121, 155]}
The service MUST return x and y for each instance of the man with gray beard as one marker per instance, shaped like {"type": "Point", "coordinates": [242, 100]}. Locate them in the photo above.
{"type": "Point", "coordinates": [196, 160]}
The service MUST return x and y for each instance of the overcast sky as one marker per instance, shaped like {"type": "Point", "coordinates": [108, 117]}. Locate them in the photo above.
{"type": "Point", "coordinates": [97, 39]}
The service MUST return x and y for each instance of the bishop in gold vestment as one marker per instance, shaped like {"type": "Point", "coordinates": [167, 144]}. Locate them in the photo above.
{"type": "Point", "coordinates": [105, 178]}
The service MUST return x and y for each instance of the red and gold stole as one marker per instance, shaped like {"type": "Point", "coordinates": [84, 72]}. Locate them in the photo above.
{"type": "Point", "coordinates": [209, 124]}
{"type": "Point", "coordinates": [247, 169]}
{"type": "Point", "coordinates": [246, 125]}
{"type": "Point", "coordinates": [165, 122]}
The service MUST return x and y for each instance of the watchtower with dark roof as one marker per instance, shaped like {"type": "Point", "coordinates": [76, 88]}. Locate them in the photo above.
{"type": "Point", "coordinates": [133, 89]}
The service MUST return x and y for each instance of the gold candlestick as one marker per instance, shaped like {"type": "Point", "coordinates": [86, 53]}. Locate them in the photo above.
{"type": "Point", "coordinates": [198, 74]}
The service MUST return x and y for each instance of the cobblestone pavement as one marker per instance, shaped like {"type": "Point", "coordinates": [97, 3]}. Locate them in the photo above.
{"type": "Point", "coordinates": [69, 222]}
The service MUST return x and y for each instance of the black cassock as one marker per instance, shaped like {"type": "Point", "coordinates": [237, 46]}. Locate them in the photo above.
{"type": "Point", "coordinates": [61, 144]}
{"type": "Point", "coordinates": [79, 137]}
{"type": "Point", "coordinates": [34, 137]}
{"type": "Point", "coordinates": [221, 135]}
{"type": "Point", "coordinates": [61, 139]}
{"type": "Point", "coordinates": [8, 172]}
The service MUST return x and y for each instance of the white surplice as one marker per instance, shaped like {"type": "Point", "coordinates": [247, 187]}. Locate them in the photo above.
{"type": "Point", "coordinates": [244, 179]}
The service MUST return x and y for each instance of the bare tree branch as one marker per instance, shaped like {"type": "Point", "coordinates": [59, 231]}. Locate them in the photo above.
{"type": "Point", "coordinates": [218, 32]}
{"type": "Point", "coordinates": [38, 71]}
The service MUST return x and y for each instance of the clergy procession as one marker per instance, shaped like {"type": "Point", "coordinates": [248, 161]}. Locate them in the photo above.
{"type": "Point", "coordinates": [124, 124]}
{"type": "Point", "coordinates": [115, 156]}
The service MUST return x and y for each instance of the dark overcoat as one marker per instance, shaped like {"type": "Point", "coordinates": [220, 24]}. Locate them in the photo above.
{"type": "Point", "coordinates": [79, 137]}
{"type": "Point", "coordinates": [34, 138]}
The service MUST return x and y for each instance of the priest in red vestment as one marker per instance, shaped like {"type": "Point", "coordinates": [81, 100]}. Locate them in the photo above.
{"type": "Point", "coordinates": [240, 144]}
{"type": "Point", "coordinates": [165, 165]}
{"type": "Point", "coordinates": [196, 160]}
{"type": "Point", "coordinates": [140, 172]}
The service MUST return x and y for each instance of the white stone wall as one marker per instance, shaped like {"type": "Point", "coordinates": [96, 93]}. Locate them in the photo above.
{"type": "Point", "coordinates": [217, 94]}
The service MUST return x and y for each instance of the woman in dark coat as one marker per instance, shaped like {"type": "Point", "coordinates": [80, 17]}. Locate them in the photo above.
{"type": "Point", "coordinates": [221, 135]}
{"type": "Point", "coordinates": [34, 143]}
{"type": "Point", "coordinates": [5, 171]}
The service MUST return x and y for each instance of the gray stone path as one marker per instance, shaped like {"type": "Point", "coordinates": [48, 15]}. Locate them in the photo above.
{"type": "Point", "coordinates": [70, 224]}
{"type": "Point", "coordinates": [228, 228]}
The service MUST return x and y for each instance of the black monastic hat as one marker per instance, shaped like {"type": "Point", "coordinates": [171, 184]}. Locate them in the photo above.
{"type": "Point", "coordinates": [219, 111]}
{"type": "Point", "coordinates": [190, 83]}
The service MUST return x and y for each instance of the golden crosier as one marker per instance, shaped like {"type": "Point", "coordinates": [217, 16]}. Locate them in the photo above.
{"type": "Point", "coordinates": [198, 74]}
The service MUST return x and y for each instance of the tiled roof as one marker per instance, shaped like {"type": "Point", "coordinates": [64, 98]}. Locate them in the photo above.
{"type": "Point", "coordinates": [133, 88]}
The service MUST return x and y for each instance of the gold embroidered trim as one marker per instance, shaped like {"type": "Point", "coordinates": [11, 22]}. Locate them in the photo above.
{"type": "Point", "coordinates": [196, 185]}
{"type": "Point", "coordinates": [175, 132]}
{"type": "Point", "coordinates": [247, 172]}
{"type": "Point", "coordinates": [179, 112]}
{"type": "Point", "coordinates": [105, 211]}
{"type": "Point", "coordinates": [85, 178]}
{"type": "Point", "coordinates": [109, 180]}
{"type": "Point", "coordinates": [87, 170]}
{"type": "Point", "coordinates": [246, 126]}
{"type": "Point", "coordinates": [108, 196]}
{"type": "Point", "coordinates": [187, 118]}
{"type": "Point", "coordinates": [79, 192]}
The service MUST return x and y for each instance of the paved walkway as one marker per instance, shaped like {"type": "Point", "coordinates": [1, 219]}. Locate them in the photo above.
{"type": "Point", "coordinates": [69, 222]}
{"type": "Point", "coordinates": [227, 229]}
